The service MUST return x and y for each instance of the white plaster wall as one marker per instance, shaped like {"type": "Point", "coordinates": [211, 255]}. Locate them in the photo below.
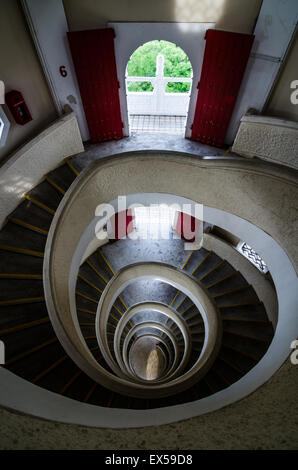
{"type": "Point", "coordinates": [48, 26]}
{"type": "Point", "coordinates": [269, 138]}
{"type": "Point", "coordinates": [30, 163]}
{"type": "Point", "coordinates": [273, 32]}
{"type": "Point", "coordinates": [20, 70]}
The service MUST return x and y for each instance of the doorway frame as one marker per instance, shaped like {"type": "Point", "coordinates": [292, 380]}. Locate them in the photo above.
{"type": "Point", "coordinates": [131, 35]}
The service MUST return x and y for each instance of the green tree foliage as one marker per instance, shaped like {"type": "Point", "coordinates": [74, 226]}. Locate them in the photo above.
{"type": "Point", "coordinates": [143, 64]}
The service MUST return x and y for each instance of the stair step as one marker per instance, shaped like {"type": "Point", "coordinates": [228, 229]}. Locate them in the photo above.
{"type": "Point", "coordinates": [72, 165]}
{"type": "Point", "coordinates": [225, 374]}
{"type": "Point", "coordinates": [14, 315]}
{"type": "Point", "coordinates": [18, 263]}
{"type": "Point", "coordinates": [63, 176]}
{"type": "Point", "coordinates": [100, 265]}
{"type": "Point", "coordinates": [102, 259]}
{"type": "Point", "coordinates": [227, 282]}
{"type": "Point", "coordinates": [87, 328]}
{"type": "Point", "coordinates": [209, 273]}
{"type": "Point", "coordinates": [27, 344]}
{"type": "Point", "coordinates": [254, 311]}
{"type": "Point", "coordinates": [99, 274]}
{"type": "Point", "coordinates": [190, 311]}
{"type": "Point", "coordinates": [36, 357]}
{"type": "Point", "coordinates": [221, 270]}
{"type": "Point", "coordinates": [36, 218]}
{"type": "Point", "coordinates": [194, 260]}
{"type": "Point", "coordinates": [89, 274]}
{"type": "Point", "coordinates": [197, 336]}
{"type": "Point", "coordinates": [23, 326]}
{"type": "Point", "coordinates": [260, 332]}
{"type": "Point", "coordinates": [194, 318]}
{"type": "Point", "coordinates": [28, 226]}
{"type": "Point", "coordinates": [237, 296]}
{"type": "Point", "coordinates": [11, 289]}
{"type": "Point", "coordinates": [184, 307]}
{"type": "Point", "coordinates": [177, 299]}
{"type": "Point", "coordinates": [45, 196]}
{"type": "Point", "coordinates": [198, 391]}
{"type": "Point", "coordinates": [238, 356]}
{"type": "Point", "coordinates": [55, 375]}
{"type": "Point", "coordinates": [208, 263]}
{"type": "Point", "coordinates": [213, 382]}
{"type": "Point", "coordinates": [84, 286]}
{"type": "Point", "coordinates": [239, 370]}
{"type": "Point", "coordinates": [22, 238]}
{"type": "Point", "coordinates": [247, 345]}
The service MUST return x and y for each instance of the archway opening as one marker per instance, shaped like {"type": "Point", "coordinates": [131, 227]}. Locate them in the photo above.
{"type": "Point", "coordinates": [158, 86]}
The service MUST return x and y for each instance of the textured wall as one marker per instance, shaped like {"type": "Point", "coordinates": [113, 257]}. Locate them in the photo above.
{"type": "Point", "coordinates": [20, 70]}
{"type": "Point", "coordinates": [94, 14]}
{"type": "Point", "coordinates": [267, 419]}
{"type": "Point", "coordinates": [271, 139]}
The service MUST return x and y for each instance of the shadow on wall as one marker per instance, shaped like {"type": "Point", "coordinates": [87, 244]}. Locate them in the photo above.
{"type": "Point", "coordinates": [227, 14]}
{"type": "Point", "coordinates": [238, 19]}
{"type": "Point", "coordinates": [281, 102]}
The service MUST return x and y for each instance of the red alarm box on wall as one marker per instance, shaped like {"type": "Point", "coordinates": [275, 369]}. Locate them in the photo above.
{"type": "Point", "coordinates": [17, 106]}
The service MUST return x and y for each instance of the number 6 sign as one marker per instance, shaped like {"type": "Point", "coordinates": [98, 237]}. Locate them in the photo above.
{"type": "Point", "coordinates": [63, 71]}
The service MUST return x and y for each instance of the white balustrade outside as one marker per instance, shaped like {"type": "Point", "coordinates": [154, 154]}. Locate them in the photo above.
{"type": "Point", "coordinates": [158, 102]}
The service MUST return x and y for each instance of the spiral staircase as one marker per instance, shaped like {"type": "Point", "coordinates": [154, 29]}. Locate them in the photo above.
{"type": "Point", "coordinates": [154, 339]}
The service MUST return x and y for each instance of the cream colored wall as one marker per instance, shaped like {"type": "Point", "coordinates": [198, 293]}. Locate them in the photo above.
{"type": "Point", "coordinates": [279, 103]}
{"type": "Point", "coordinates": [232, 15]}
{"type": "Point", "coordinates": [20, 70]}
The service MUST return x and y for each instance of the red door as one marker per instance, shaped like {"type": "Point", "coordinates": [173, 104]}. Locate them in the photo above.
{"type": "Point", "coordinates": [121, 224]}
{"type": "Point", "coordinates": [224, 63]}
{"type": "Point", "coordinates": [187, 226]}
{"type": "Point", "coordinates": [94, 61]}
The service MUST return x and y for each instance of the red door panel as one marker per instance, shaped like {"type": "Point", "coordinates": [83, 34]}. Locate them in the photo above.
{"type": "Point", "coordinates": [187, 226]}
{"type": "Point", "coordinates": [225, 58]}
{"type": "Point", "coordinates": [94, 61]}
{"type": "Point", "coordinates": [121, 224]}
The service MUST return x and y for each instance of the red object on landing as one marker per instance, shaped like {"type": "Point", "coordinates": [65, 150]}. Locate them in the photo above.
{"type": "Point", "coordinates": [17, 106]}
{"type": "Point", "coordinates": [121, 224]}
{"type": "Point", "coordinates": [186, 226]}
{"type": "Point", "coordinates": [94, 61]}
{"type": "Point", "coordinates": [225, 58]}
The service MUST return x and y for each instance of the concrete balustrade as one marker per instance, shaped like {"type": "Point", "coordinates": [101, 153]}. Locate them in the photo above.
{"type": "Point", "coordinates": [158, 101]}
{"type": "Point", "coordinates": [28, 165]}
{"type": "Point", "coordinates": [268, 138]}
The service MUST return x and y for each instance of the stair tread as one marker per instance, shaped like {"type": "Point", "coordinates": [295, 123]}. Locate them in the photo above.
{"type": "Point", "coordinates": [45, 194]}
{"type": "Point", "coordinates": [32, 215]}
{"type": "Point", "coordinates": [11, 289]}
{"type": "Point", "coordinates": [11, 262]}
{"type": "Point", "coordinates": [63, 176]}
{"type": "Point", "coordinates": [15, 235]}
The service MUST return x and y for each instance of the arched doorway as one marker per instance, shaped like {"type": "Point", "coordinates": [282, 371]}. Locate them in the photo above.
{"type": "Point", "coordinates": [158, 86]}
